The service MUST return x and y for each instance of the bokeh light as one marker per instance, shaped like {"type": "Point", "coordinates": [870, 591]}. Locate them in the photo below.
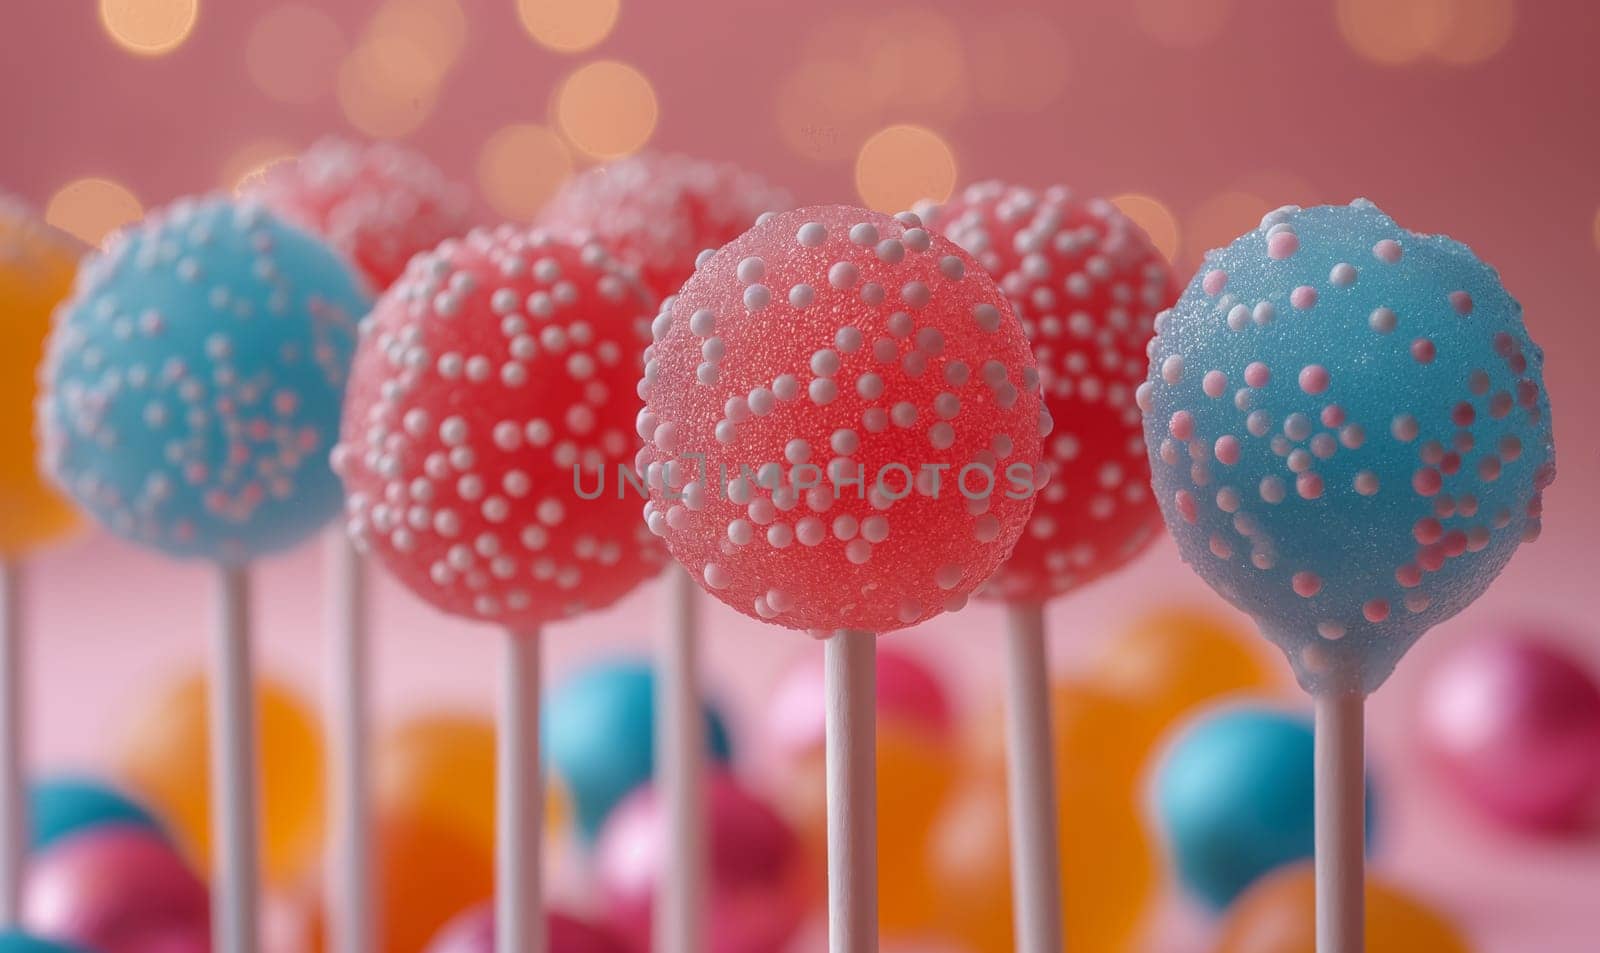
{"type": "Point", "coordinates": [568, 26]}
{"type": "Point", "coordinates": [92, 207]}
{"type": "Point", "coordinates": [293, 53]}
{"type": "Point", "coordinates": [606, 109]}
{"type": "Point", "coordinates": [520, 167]}
{"type": "Point", "coordinates": [149, 27]}
{"type": "Point", "coordinates": [1152, 215]}
{"type": "Point", "coordinates": [902, 165]}
{"type": "Point", "coordinates": [252, 159]}
{"type": "Point", "coordinates": [1393, 32]}
{"type": "Point", "coordinates": [819, 110]}
{"type": "Point", "coordinates": [1223, 217]}
{"type": "Point", "coordinates": [389, 83]}
{"type": "Point", "coordinates": [1476, 31]}
{"type": "Point", "coordinates": [1019, 62]}
{"type": "Point", "coordinates": [1183, 23]}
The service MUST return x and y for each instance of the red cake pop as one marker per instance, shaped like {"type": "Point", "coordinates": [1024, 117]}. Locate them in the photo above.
{"type": "Point", "coordinates": [867, 412]}
{"type": "Point", "coordinates": [492, 388]}
{"type": "Point", "coordinates": [657, 212]}
{"type": "Point", "coordinates": [1086, 283]}
{"type": "Point", "coordinates": [378, 204]}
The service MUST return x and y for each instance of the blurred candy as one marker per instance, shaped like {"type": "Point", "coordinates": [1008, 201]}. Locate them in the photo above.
{"type": "Point", "coordinates": [441, 767]}
{"type": "Point", "coordinates": [473, 932]}
{"type": "Point", "coordinates": [165, 760]}
{"type": "Point", "coordinates": [1172, 660]}
{"type": "Point", "coordinates": [1515, 724]}
{"type": "Point", "coordinates": [657, 212]}
{"type": "Point", "coordinates": [12, 941]}
{"type": "Point", "coordinates": [1278, 915]}
{"type": "Point", "coordinates": [427, 875]}
{"type": "Point", "coordinates": [1349, 434]}
{"type": "Point", "coordinates": [909, 695]}
{"type": "Point", "coordinates": [59, 807]}
{"type": "Point", "coordinates": [117, 889]}
{"type": "Point", "coordinates": [755, 893]}
{"type": "Point", "coordinates": [376, 204]}
{"type": "Point", "coordinates": [1235, 800]}
{"type": "Point", "coordinates": [36, 268]}
{"type": "Point", "coordinates": [599, 728]}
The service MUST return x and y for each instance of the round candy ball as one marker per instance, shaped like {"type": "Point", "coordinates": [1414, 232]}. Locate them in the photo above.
{"type": "Point", "coordinates": [193, 382]}
{"type": "Point", "coordinates": [1514, 725]}
{"type": "Point", "coordinates": [36, 268]}
{"type": "Point", "coordinates": [378, 203]}
{"type": "Point", "coordinates": [165, 759]}
{"type": "Point", "coordinates": [61, 807]}
{"type": "Point", "coordinates": [473, 932]}
{"type": "Point", "coordinates": [1348, 433]}
{"type": "Point", "coordinates": [755, 890]}
{"type": "Point", "coordinates": [910, 696]}
{"type": "Point", "coordinates": [657, 212]}
{"type": "Point", "coordinates": [117, 889]}
{"type": "Point", "coordinates": [426, 876]}
{"type": "Point", "coordinates": [599, 727]}
{"type": "Point", "coordinates": [1278, 915]}
{"type": "Point", "coordinates": [14, 941]}
{"type": "Point", "coordinates": [489, 421]}
{"type": "Point", "coordinates": [1086, 283]}
{"type": "Point", "coordinates": [842, 422]}
{"type": "Point", "coordinates": [1234, 798]}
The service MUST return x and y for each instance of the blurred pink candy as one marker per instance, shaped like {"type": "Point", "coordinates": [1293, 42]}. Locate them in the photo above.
{"type": "Point", "coordinates": [755, 885]}
{"type": "Point", "coordinates": [117, 889]}
{"type": "Point", "coordinates": [909, 691]}
{"type": "Point", "coordinates": [473, 932]}
{"type": "Point", "coordinates": [1514, 723]}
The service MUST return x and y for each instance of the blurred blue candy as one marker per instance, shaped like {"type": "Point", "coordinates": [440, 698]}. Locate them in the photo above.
{"type": "Point", "coordinates": [59, 807]}
{"type": "Point", "coordinates": [599, 729]}
{"type": "Point", "coordinates": [1348, 433]}
{"type": "Point", "coordinates": [194, 381]}
{"type": "Point", "coordinates": [13, 941]}
{"type": "Point", "coordinates": [1234, 799]}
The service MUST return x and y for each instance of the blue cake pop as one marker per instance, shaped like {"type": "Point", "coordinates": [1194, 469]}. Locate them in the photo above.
{"type": "Point", "coordinates": [192, 388]}
{"type": "Point", "coordinates": [1348, 434]}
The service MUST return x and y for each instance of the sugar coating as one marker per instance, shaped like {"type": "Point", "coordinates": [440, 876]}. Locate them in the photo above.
{"type": "Point", "coordinates": [378, 204]}
{"type": "Point", "coordinates": [1379, 450]}
{"type": "Point", "coordinates": [36, 268]}
{"type": "Point", "coordinates": [868, 414]}
{"type": "Point", "coordinates": [495, 368]}
{"type": "Point", "coordinates": [192, 385]}
{"type": "Point", "coordinates": [1086, 283]}
{"type": "Point", "coordinates": [658, 212]}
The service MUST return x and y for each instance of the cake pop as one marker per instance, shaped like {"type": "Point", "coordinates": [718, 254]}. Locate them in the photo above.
{"type": "Point", "coordinates": [191, 393]}
{"type": "Point", "coordinates": [658, 212]}
{"type": "Point", "coordinates": [485, 433]}
{"type": "Point", "coordinates": [1086, 283]}
{"type": "Point", "coordinates": [842, 425]}
{"type": "Point", "coordinates": [377, 204]}
{"type": "Point", "coordinates": [1349, 436]}
{"type": "Point", "coordinates": [36, 267]}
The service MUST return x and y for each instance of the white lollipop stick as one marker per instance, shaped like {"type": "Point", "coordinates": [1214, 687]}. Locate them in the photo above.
{"type": "Point", "coordinates": [13, 782]}
{"type": "Point", "coordinates": [852, 759]}
{"type": "Point", "coordinates": [233, 769]}
{"type": "Point", "coordinates": [1341, 823]}
{"type": "Point", "coordinates": [1030, 770]}
{"type": "Point", "coordinates": [351, 885]}
{"type": "Point", "coordinates": [519, 803]}
{"type": "Point", "coordinates": [679, 766]}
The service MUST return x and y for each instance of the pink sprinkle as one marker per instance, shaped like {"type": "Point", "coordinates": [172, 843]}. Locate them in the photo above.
{"type": "Point", "coordinates": [1282, 244]}
{"type": "Point", "coordinates": [1462, 302]}
{"type": "Point", "coordinates": [1510, 447]}
{"type": "Point", "coordinates": [1423, 351]}
{"type": "Point", "coordinates": [1216, 279]}
{"type": "Point", "coordinates": [1181, 425]}
{"type": "Point", "coordinates": [1489, 469]}
{"type": "Point", "coordinates": [1427, 481]}
{"type": "Point", "coordinates": [1214, 384]}
{"type": "Point", "coordinates": [1366, 483]}
{"type": "Point", "coordinates": [1186, 506]}
{"type": "Point", "coordinates": [1387, 251]}
{"type": "Point", "coordinates": [1308, 485]}
{"type": "Point", "coordinates": [1227, 450]}
{"type": "Point", "coordinates": [1332, 415]}
{"type": "Point", "coordinates": [1307, 584]}
{"type": "Point", "coordinates": [1303, 297]}
{"type": "Point", "coordinates": [1314, 378]}
{"type": "Point", "coordinates": [1376, 610]}
{"type": "Point", "coordinates": [1256, 374]}
{"type": "Point", "coordinates": [1427, 530]}
{"type": "Point", "coordinates": [1463, 415]}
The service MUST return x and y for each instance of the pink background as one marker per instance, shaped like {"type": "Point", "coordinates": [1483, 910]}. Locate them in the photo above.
{"type": "Point", "coordinates": [1504, 154]}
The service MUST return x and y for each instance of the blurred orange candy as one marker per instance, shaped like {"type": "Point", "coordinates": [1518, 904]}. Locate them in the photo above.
{"type": "Point", "coordinates": [427, 874]}
{"type": "Point", "coordinates": [165, 759]}
{"type": "Point", "coordinates": [1278, 915]}
{"type": "Point", "coordinates": [441, 767]}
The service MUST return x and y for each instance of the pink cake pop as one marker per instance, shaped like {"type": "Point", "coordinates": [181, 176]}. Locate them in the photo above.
{"type": "Point", "coordinates": [379, 204]}
{"type": "Point", "coordinates": [843, 431]}
{"type": "Point", "coordinates": [657, 212]}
